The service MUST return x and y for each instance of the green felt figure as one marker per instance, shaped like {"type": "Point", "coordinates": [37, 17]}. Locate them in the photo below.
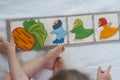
{"type": "Point", "coordinates": [80, 31]}
{"type": "Point", "coordinates": [37, 29]}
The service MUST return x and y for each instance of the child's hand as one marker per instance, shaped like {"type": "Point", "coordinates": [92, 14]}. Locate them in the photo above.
{"type": "Point", "coordinates": [6, 46]}
{"type": "Point", "coordinates": [104, 75]}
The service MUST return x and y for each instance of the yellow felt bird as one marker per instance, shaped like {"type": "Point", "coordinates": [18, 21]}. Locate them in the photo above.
{"type": "Point", "coordinates": [108, 31]}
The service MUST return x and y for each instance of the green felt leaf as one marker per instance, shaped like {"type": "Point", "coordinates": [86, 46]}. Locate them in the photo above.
{"type": "Point", "coordinates": [40, 33]}
{"type": "Point", "coordinates": [28, 23]}
{"type": "Point", "coordinates": [38, 30]}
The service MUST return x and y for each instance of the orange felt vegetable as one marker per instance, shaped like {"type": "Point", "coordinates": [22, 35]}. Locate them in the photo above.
{"type": "Point", "coordinates": [23, 39]}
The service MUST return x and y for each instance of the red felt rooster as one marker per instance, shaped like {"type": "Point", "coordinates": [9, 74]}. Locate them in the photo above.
{"type": "Point", "coordinates": [108, 31]}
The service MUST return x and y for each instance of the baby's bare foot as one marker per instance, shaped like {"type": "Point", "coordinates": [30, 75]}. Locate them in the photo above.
{"type": "Point", "coordinates": [52, 55]}
{"type": "Point", "coordinates": [59, 65]}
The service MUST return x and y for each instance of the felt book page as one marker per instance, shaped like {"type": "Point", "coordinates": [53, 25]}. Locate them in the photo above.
{"type": "Point", "coordinates": [29, 34]}
{"type": "Point", "coordinates": [106, 27]}
{"type": "Point", "coordinates": [57, 30]}
{"type": "Point", "coordinates": [81, 29]}
{"type": "Point", "coordinates": [39, 32]}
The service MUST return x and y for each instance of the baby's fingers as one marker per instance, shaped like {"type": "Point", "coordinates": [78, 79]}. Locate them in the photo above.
{"type": "Point", "coordinates": [108, 69]}
{"type": "Point", "coordinates": [99, 70]}
{"type": "Point", "coordinates": [11, 38]}
{"type": "Point", "coordinates": [1, 40]}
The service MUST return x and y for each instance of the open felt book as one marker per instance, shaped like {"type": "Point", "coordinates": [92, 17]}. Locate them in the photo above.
{"type": "Point", "coordinates": [36, 33]}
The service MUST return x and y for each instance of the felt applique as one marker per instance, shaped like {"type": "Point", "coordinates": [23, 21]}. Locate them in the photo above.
{"type": "Point", "coordinates": [35, 33]}
{"type": "Point", "coordinates": [84, 30]}
{"type": "Point", "coordinates": [108, 31]}
{"type": "Point", "coordinates": [59, 31]}
{"type": "Point", "coordinates": [80, 31]}
{"type": "Point", "coordinates": [23, 39]}
{"type": "Point", "coordinates": [39, 32]}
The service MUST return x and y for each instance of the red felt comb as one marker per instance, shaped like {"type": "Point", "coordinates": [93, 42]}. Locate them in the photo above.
{"type": "Point", "coordinates": [102, 21]}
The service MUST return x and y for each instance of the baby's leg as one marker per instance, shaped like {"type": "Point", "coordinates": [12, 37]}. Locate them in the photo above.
{"type": "Point", "coordinates": [30, 67]}
{"type": "Point", "coordinates": [47, 61]}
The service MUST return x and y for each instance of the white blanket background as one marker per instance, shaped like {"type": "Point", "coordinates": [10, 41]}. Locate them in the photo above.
{"type": "Point", "coordinates": [83, 58]}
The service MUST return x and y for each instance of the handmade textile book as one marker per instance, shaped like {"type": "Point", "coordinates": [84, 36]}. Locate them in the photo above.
{"type": "Point", "coordinates": [38, 33]}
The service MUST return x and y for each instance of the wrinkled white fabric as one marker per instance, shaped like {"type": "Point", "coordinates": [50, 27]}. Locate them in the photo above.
{"type": "Point", "coordinates": [83, 58]}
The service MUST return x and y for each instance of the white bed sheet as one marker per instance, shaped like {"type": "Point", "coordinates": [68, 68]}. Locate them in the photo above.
{"type": "Point", "coordinates": [83, 58]}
